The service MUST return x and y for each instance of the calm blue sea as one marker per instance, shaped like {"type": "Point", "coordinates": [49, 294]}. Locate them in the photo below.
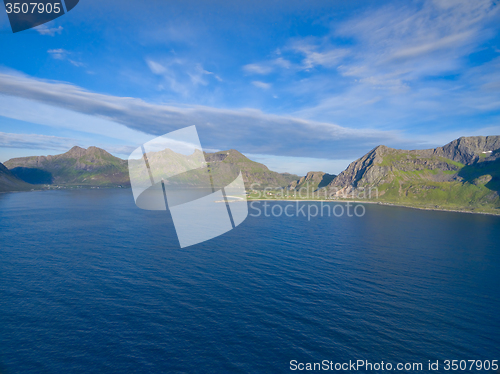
{"type": "Point", "coordinates": [91, 284]}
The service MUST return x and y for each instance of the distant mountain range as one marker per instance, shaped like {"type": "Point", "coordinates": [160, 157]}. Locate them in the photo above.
{"type": "Point", "coordinates": [96, 167]}
{"type": "Point", "coordinates": [463, 175]}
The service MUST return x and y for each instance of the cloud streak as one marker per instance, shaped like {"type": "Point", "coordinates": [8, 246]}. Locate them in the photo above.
{"type": "Point", "coordinates": [180, 75]}
{"type": "Point", "coordinates": [36, 141]}
{"type": "Point", "coordinates": [51, 31]}
{"type": "Point", "coordinates": [62, 54]}
{"type": "Point", "coordinates": [248, 130]}
{"type": "Point", "coordinates": [263, 85]}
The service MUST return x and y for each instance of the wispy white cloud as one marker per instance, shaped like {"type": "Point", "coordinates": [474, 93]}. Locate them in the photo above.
{"type": "Point", "coordinates": [328, 58]}
{"type": "Point", "coordinates": [62, 54]}
{"type": "Point", "coordinates": [402, 65]}
{"type": "Point", "coordinates": [307, 53]}
{"type": "Point", "coordinates": [37, 141]}
{"type": "Point", "coordinates": [418, 41]}
{"type": "Point", "coordinates": [316, 52]}
{"type": "Point", "coordinates": [180, 75]}
{"type": "Point", "coordinates": [44, 30]}
{"type": "Point", "coordinates": [389, 66]}
{"type": "Point", "coordinates": [155, 67]}
{"type": "Point", "coordinates": [58, 54]}
{"type": "Point", "coordinates": [267, 67]}
{"type": "Point", "coordinates": [258, 69]}
{"type": "Point", "coordinates": [262, 85]}
{"type": "Point", "coordinates": [281, 62]}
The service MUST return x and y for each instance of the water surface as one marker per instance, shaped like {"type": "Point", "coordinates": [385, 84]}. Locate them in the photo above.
{"type": "Point", "coordinates": [90, 283]}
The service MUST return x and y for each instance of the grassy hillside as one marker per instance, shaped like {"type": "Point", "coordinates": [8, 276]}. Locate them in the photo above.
{"type": "Point", "coordinates": [426, 178]}
{"type": "Point", "coordinates": [229, 162]}
{"type": "Point", "coordinates": [224, 167]}
{"type": "Point", "coordinates": [78, 166]}
{"type": "Point", "coordinates": [96, 167]}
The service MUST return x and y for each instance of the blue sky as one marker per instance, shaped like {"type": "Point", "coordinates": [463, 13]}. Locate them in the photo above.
{"type": "Point", "coordinates": [297, 85]}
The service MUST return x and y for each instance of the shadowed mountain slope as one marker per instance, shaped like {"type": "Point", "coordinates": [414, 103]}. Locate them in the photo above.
{"type": "Point", "coordinates": [312, 181]}
{"type": "Point", "coordinates": [9, 182]}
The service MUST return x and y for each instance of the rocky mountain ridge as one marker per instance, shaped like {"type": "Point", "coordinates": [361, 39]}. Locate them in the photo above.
{"type": "Point", "coordinates": [464, 173]}
{"type": "Point", "coordinates": [376, 166]}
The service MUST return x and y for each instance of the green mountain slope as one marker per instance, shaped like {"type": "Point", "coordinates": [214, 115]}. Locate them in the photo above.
{"type": "Point", "coordinates": [224, 168]}
{"type": "Point", "coordinates": [462, 175]}
{"type": "Point", "coordinates": [78, 166]}
{"type": "Point", "coordinates": [96, 167]}
{"type": "Point", "coordinates": [229, 162]}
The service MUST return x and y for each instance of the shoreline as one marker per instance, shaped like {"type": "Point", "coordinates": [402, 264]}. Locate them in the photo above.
{"type": "Point", "coordinates": [386, 204]}
{"type": "Point", "coordinates": [284, 200]}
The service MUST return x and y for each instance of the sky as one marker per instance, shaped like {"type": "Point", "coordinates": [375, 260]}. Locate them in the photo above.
{"type": "Point", "coordinates": [300, 86]}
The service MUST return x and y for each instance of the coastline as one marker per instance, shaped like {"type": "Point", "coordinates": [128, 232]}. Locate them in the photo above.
{"type": "Point", "coordinates": [386, 204]}
{"type": "Point", "coordinates": [283, 200]}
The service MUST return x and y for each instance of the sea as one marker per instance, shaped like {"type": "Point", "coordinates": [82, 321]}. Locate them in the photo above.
{"type": "Point", "coordinates": [89, 283]}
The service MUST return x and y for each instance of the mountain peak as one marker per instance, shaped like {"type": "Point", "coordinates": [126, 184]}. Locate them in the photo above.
{"type": "Point", "coordinates": [78, 166]}
{"type": "Point", "coordinates": [76, 151]}
{"type": "Point", "coordinates": [230, 155]}
{"type": "Point", "coordinates": [467, 149]}
{"type": "Point", "coordinates": [382, 150]}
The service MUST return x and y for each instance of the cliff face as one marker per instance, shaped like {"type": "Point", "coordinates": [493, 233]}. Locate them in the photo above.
{"type": "Point", "coordinates": [379, 165]}
{"type": "Point", "coordinates": [467, 150]}
{"type": "Point", "coordinates": [465, 172]}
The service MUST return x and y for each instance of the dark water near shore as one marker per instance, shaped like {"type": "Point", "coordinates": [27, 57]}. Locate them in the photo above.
{"type": "Point", "coordinates": [89, 283]}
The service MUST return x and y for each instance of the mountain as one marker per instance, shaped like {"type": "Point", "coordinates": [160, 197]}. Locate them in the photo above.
{"type": "Point", "coordinates": [464, 174]}
{"type": "Point", "coordinates": [78, 166]}
{"type": "Point", "coordinates": [313, 180]}
{"type": "Point", "coordinates": [224, 168]}
{"type": "Point", "coordinates": [229, 162]}
{"type": "Point", "coordinates": [96, 167]}
{"type": "Point", "coordinates": [9, 182]}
